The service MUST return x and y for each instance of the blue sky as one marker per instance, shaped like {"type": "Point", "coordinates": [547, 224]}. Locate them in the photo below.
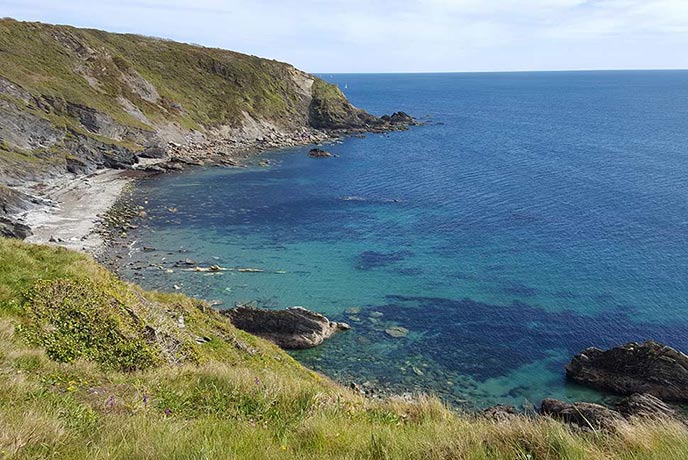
{"type": "Point", "coordinates": [401, 35]}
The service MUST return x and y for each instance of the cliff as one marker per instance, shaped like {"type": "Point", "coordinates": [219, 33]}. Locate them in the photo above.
{"type": "Point", "coordinates": [76, 100]}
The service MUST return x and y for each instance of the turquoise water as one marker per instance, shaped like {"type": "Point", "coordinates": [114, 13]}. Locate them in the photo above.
{"type": "Point", "coordinates": [534, 215]}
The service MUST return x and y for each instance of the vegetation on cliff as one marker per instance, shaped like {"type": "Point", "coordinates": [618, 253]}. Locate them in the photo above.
{"type": "Point", "coordinates": [92, 367]}
{"type": "Point", "coordinates": [74, 97]}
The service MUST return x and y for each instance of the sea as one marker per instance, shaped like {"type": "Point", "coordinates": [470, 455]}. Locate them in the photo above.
{"type": "Point", "coordinates": [530, 216]}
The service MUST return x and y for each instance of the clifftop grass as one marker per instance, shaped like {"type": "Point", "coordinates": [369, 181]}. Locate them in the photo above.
{"type": "Point", "coordinates": [92, 367]}
{"type": "Point", "coordinates": [193, 85]}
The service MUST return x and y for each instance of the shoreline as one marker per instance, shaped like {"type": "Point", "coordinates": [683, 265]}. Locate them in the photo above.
{"type": "Point", "coordinates": [70, 210]}
{"type": "Point", "coordinates": [73, 208]}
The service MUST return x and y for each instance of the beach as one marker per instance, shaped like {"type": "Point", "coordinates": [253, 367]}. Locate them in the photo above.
{"type": "Point", "coordinates": [72, 209]}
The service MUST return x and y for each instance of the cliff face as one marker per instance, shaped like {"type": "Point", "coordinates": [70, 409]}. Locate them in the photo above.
{"type": "Point", "coordinates": [72, 100]}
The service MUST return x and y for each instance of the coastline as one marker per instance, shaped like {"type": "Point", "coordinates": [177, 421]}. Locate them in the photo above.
{"type": "Point", "coordinates": [70, 210]}
{"type": "Point", "coordinates": [73, 207]}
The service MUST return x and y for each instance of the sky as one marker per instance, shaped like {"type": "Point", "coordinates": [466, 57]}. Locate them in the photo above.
{"type": "Point", "coordinates": [328, 36]}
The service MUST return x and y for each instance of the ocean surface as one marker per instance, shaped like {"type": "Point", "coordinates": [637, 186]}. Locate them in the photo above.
{"type": "Point", "coordinates": [534, 215]}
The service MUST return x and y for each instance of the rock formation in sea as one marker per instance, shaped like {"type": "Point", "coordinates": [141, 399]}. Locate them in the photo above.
{"type": "Point", "coordinates": [293, 328]}
{"type": "Point", "coordinates": [319, 153]}
{"type": "Point", "coordinates": [647, 367]}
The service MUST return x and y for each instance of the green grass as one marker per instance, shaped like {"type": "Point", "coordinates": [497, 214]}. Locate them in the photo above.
{"type": "Point", "coordinates": [68, 390]}
{"type": "Point", "coordinates": [212, 86]}
{"type": "Point", "coordinates": [66, 69]}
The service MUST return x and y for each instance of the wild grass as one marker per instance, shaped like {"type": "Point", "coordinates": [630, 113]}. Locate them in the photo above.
{"type": "Point", "coordinates": [198, 87]}
{"type": "Point", "coordinates": [242, 399]}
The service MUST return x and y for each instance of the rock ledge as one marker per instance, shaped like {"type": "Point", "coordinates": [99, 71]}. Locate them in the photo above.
{"type": "Point", "coordinates": [293, 328]}
{"type": "Point", "coordinates": [647, 367]}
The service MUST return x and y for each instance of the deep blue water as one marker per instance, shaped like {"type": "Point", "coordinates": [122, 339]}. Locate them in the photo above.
{"type": "Point", "coordinates": [534, 215]}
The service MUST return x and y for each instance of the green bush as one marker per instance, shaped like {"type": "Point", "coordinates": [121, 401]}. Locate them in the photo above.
{"type": "Point", "coordinates": [73, 320]}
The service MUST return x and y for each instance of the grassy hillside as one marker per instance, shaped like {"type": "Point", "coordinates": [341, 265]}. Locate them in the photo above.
{"type": "Point", "coordinates": [83, 94]}
{"type": "Point", "coordinates": [92, 367]}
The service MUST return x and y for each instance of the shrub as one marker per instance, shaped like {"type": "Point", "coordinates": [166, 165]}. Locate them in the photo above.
{"type": "Point", "coordinates": [73, 320]}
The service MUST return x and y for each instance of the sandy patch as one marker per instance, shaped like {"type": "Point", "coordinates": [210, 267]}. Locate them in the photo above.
{"type": "Point", "coordinates": [75, 205]}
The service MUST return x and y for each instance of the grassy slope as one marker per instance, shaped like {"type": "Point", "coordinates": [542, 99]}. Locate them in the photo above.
{"type": "Point", "coordinates": [235, 396]}
{"type": "Point", "coordinates": [213, 86]}
{"type": "Point", "coordinates": [167, 82]}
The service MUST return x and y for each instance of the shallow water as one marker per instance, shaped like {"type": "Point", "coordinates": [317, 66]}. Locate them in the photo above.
{"type": "Point", "coordinates": [535, 214]}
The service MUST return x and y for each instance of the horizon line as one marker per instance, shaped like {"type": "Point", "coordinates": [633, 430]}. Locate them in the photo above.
{"type": "Point", "coordinates": [433, 72]}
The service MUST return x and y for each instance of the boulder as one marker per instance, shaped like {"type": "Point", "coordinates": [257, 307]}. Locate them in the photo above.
{"type": "Point", "coordinates": [153, 152]}
{"type": "Point", "coordinates": [293, 328]}
{"type": "Point", "coordinates": [10, 228]}
{"type": "Point", "coordinates": [77, 166]}
{"type": "Point", "coordinates": [499, 413]}
{"type": "Point", "coordinates": [645, 406]}
{"type": "Point", "coordinates": [319, 153]}
{"type": "Point", "coordinates": [584, 415]}
{"type": "Point", "coordinates": [401, 117]}
{"type": "Point", "coordinates": [647, 367]}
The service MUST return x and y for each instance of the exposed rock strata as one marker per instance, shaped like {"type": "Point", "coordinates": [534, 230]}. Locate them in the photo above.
{"type": "Point", "coordinates": [581, 414]}
{"type": "Point", "coordinates": [647, 367]}
{"type": "Point", "coordinates": [293, 328]}
{"type": "Point", "coordinates": [645, 406]}
{"type": "Point", "coordinates": [10, 228]}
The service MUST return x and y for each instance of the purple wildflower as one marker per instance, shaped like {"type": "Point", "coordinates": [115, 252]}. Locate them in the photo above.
{"type": "Point", "coordinates": [145, 400]}
{"type": "Point", "coordinates": [168, 412]}
{"type": "Point", "coordinates": [111, 401]}
{"type": "Point", "coordinates": [257, 381]}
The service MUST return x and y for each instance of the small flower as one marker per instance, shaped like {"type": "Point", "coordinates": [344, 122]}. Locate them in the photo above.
{"type": "Point", "coordinates": [145, 400]}
{"type": "Point", "coordinates": [168, 412]}
{"type": "Point", "coordinates": [257, 381]}
{"type": "Point", "coordinates": [111, 401]}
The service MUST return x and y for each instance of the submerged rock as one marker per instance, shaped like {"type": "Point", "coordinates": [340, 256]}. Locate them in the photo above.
{"type": "Point", "coordinates": [293, 328]}
{"type": "Point", "coordinates": [319, 153]}
{"type": "Point", "coordinates": [647, 367]}
{"type": "Point", "coordinates": [581, 414]}
{"type": "Point", "coordinates": [397, 332]}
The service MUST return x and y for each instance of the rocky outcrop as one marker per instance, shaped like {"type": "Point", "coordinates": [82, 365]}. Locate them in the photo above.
{"type": "Point", "coordinates": [645, 406]}
{"type": "Point", "coordinates": [293, 328]}
{"type": "Point", "coordinates": [10, 228]}
{"type": "Point", "coordinates": [330, 110]}
{"type": "Point", "coordinates": [584, 415]}
{"type": "Point", "coordinates": [647, 367]}
{"type": "Point", "coordinates": [319, 153]}
{"type": "Point", "coordinates": [399, 118]}
{"type": "Point", "coordinates": [499, 413]}
{"type": "Point", "coordinates": [12, 202]}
